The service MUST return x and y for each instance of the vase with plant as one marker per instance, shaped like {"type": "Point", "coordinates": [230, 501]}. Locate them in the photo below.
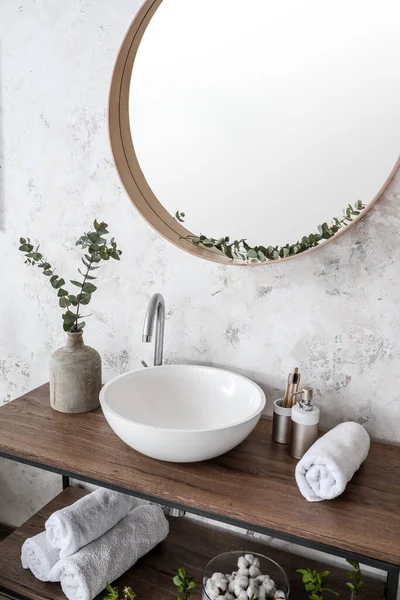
{"type": "Point", "coordinates": [75, 369]}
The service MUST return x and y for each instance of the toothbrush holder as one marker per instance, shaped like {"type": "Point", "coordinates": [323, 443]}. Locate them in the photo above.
{"type": "Point", "coordinates": [281, 423]}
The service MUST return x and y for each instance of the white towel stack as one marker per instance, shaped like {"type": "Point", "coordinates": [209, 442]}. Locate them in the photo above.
{"type": "Point", "coordinates": [93, 541]}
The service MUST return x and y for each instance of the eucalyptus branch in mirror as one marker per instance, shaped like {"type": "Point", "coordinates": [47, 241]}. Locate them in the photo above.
{"type": "Point", "coordinates": [98, 248]}
{"type": "Point", "coordinates": [240, 249]}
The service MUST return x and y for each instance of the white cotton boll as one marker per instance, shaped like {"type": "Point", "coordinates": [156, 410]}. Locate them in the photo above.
{"type": "Point", "coordinates": [229, 596]}
{"type": "Point", "coordinates": [242, 581]}
{"type": "Point", "coordinates": [215, 576]}
{"type": "Point", "coordinates": [249, 558]}
{"type": "Point", "coordinates": [242, 595]}
{"type": "Point", "coordinates": [221, 597]}
{"type": "Point", "coordinates": [243, 571]}
{"type": "Point", "coordinates": [254, 582]}
{"type": "Point", "coordinates": [279, 595]}
{"type": "Point", "coordinates": [252, 592]}
{"type": "Point", "coordinates": [254, 571]}
{"type": "Point", "coordinates": [262, 578]}
{"type": "Point", "coordinates": [269, 586]}
{"type": "Point", "coordinates": [231, 585]}
{"type": "Point", "coordinates": [242, 562]}
{"type": "Point", "coordinates": [256, 562]}
{"type": "Point", "coordinates": [213, 593]}
{"type": "Point", "coordinates": [262, 594]}
{"type": "Point", "coordinates": [221, 583]}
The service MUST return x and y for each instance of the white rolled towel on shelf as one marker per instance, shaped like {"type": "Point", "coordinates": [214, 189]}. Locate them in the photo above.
{"type": "Point", "coordinates": [38, 555]}
{"type": "Point", "coordinates": [86, 573]}
{"type": "Point", "coordinates": [74, 526]}
{"type": "Point", "coordinates": [326, 468]}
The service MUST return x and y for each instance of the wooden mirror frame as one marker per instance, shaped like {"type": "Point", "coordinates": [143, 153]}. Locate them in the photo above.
{"type": "Point", "coordinates": [128, 167]}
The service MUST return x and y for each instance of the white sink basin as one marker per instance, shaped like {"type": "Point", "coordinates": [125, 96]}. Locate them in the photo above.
{"type": "Point", "coordinates": [182, 413]}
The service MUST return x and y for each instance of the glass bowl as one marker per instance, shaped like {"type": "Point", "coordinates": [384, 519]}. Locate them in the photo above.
{"type": "Point", "coordinates": [227, 562]}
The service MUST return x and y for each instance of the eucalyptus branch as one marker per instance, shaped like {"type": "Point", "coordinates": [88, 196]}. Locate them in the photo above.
{"type": "Point", "coordinates": [240, 249]}
{"type": "Point", "coordinates": [98, 249]}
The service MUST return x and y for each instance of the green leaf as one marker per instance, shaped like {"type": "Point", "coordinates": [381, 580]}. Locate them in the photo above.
{"type": "Point", "coordinates": [53, 280]}
{"type": "Point", "coordinates": [73, 300]}
{"type": "Point", "coordinates": [84, 298]}
{"type": "Point", "coordinates": [77, 283]}
{"type": "Point", "coordinates": [179, 216]}
{"type": "Point", "coordinates": [89, 288]}
{"type": "Point", "coordinates": [182, 573]}
{"type": "Point", "coordinates": [62, 292]}
{"type": "Point", "coordinates": [69, 317]}
{"type": "Point", "coordinates": [351, 585]}
{"type": "Point", "coordinates": [81, 325]}
{"type": "Point", "coordinates": [115, 255]}
{"type": "Point", "coordinates": [64, 302]}
{"type": "Point", "coordinates": [177, 580]}
{"type": "Point", "coordinates": [85, 275]}
{"type": "Point", "coordinates": [47, 273]}
{"type": "Point", "coordinates": [251, 253]}
{"type": "Point", "coordinates": [59, 283]}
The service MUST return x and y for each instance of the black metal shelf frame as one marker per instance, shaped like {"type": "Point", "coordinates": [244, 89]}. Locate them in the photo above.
{"type": "Point", "coordinates": [392, 570]}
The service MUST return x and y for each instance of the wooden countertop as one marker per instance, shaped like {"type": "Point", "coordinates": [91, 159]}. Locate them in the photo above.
{"type": "Point", "coordinates": [252, 486]}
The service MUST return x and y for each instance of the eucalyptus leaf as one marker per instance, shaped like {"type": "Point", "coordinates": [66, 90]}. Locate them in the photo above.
{"type": "Point", "coordinates": [89, 288]}
{"type": "Point", "coordinates": [77, 283]}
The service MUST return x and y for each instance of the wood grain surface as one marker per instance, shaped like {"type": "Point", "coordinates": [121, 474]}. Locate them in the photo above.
{"type": "Point", "coordinates": [190, 544]}
{"type": "Point", "coordinates": [253, 485]}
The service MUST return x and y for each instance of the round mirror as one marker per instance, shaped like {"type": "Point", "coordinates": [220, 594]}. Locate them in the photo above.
{"type": "Point", "coordinates": [256, 131]}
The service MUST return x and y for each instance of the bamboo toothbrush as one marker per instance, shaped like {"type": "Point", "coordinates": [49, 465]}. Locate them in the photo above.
{"type": "Point", "coordinates": [294, 387]}
{"type": "Point", "coordinates": [286, 399]}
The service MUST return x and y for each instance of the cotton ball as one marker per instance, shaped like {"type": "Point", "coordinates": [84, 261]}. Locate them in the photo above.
{"type": "Point", "coordinates": [249, 558]}
{"type": "Point", "coordinates": [262, 594]}
{"type": "Point", "coordinates": [242, 595]}
{"type": "Point", "coordinates": [221, 583]}
{"type": "Point", "coordinates": [252, 592]}
{"type": "Point", "coordinates": [254, 571]}
{"type": "Point", "coordinates": [243, 571]}
{"type": "Point", "coordinates": [242, 581]}
{"type": "Point", "coordinates": [221, 597]}
{"type": "Point", "coordinates": [242, 562]}
{"type": "Point", "coordinates": [256, 562]}
{"type": "Point", "coordinates": [213, 592]}
{"type": "Point", "coordinates": [215, 576]}
{"type": "Point", "coordinates": [269, 586]}
{"type": "Point", "coordinates": [241, 584]}
{"type": "Point", "coordinates": [262, 578]}
{"type": "Point", "coordinates": [231, 585]}
{"type": "Point", "coordinates": [279, 595]}
{"type": "Point", "coordinates": [229, 596]}
{"type": "Point", "coordinates": [254, 582]}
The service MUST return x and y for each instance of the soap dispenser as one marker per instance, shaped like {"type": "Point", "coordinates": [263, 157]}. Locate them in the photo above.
{"type": "Point", "coordinates": [305, 420]}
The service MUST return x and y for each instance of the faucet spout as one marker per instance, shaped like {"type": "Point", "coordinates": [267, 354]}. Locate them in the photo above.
{"type": "Point", "coordinates": [155, 314]}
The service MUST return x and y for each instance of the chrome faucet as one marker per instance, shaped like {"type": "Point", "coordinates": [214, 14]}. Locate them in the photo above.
{"type": "Point", "coordinates": [155, 312]}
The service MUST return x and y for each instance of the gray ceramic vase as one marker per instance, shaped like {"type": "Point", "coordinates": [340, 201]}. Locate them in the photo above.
{"type": "Point", "coordinates": [75, 376]}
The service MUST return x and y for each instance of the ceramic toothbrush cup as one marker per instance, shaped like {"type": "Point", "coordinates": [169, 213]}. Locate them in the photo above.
{"type": "Point", "coordinates": [281, 423]}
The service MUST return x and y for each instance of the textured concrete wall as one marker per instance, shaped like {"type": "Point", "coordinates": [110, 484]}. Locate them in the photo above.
{"type": "Point", "coordinates": [335, 313]}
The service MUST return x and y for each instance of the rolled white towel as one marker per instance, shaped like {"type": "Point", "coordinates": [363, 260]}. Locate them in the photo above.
{"type": "Point", "coordinates": [74, 526]}
{"type": "Point", "coordinates": [330, 463]}
{"type": "Point", "coordinates": [86, 573]}
{"type": "Point", "coordinates": [38, 555]}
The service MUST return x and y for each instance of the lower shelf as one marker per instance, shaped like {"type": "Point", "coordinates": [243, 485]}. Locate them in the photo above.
{"type": "Point", "coordinates": [190, 544]}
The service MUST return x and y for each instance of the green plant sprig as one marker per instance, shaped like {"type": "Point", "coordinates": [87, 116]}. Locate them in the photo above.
{"type": "Point", "coordinates": [355, 575]}
{"type": "Point", "coordinates": [185, 584]}
{"type": "Point", "coordinates": [240, 249]}
{"type": "Point", "coordinates": [98, 248]}
{"type": "Point", "coordinates": [314, 582]}
{"type": "Point", "coordinates": [113, 594]}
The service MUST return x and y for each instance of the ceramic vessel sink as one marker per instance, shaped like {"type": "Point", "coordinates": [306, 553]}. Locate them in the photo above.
{"type": "Point", "coordinates": [182, 413]}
